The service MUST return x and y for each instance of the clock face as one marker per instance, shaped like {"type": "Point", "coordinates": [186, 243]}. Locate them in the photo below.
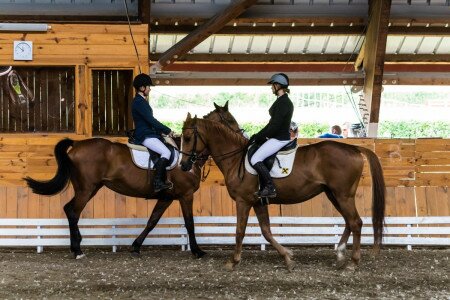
{"type": "Point", "coordinates": [23, 50]}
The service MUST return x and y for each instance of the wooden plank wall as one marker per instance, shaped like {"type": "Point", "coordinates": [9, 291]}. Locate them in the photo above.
{"type": "Point", "coordinates": [92, 45]}
{"type": "Point", "coordinates": [416, 171]}
{"type": "Point", "coordinates": [408, 192]}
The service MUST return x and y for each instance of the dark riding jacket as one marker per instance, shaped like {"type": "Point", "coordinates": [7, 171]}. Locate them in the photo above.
{"type": "Point", "coordinates": [280, 121]}
{"type": "Point", "coordinates": [146, 126]}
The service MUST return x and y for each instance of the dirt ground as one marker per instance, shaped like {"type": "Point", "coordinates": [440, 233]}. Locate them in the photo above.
{"type": "Point", "coordinates": [171, 273]}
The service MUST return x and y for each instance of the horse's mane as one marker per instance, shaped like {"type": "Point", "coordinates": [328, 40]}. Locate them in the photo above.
{"type": "Point", "coordinates": [221, 129]}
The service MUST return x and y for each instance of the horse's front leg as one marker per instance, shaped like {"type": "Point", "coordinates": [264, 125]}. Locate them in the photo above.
{"type": "Point", "coordinates": [186, 208]}
{"type": "Point", "coordinates": [242, 211]}
{"type": "Point", "coordinates": [262, 213]}
{"type": "Point", "coordinates": [157, 212]}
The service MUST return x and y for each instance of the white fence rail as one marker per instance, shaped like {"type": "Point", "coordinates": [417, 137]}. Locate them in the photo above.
{"type": "Point", "coordinates": [407, 231]}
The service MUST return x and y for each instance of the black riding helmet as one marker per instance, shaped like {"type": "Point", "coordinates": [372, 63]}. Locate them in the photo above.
{"type": "Point", "coordinates": [142, 80]}
{"type": "Point", "coordinates": [280, 78]}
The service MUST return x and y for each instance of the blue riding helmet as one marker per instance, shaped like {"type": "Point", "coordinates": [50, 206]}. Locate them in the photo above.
{"type": "Point", "coordinates": [280, 78]}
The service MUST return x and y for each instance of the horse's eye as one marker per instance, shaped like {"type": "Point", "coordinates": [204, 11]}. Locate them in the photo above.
{"type": "Point", "coordinates": [187, 139]}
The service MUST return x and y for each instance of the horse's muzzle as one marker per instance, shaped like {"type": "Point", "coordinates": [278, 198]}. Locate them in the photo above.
{"type": "Point", "coordinates": [186, 166]}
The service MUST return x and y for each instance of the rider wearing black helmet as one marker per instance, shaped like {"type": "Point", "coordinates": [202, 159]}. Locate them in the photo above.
{"type": "Point", "coordinates": [149, 130]}
{"type": "Point", "coordinates": [275, 135]}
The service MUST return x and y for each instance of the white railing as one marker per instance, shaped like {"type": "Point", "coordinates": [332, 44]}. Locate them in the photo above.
{"type": "Point", "coordinates": [39, 233]}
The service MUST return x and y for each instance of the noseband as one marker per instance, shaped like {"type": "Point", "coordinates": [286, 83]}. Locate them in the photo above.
{"type": "Point", "coordinates": [193, 156]}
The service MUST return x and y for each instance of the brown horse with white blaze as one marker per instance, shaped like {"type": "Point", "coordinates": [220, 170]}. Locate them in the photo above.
{"type": "Point", "coordinates": [331, 167]}
{"type": "Point", "coordinates": [93, 163]}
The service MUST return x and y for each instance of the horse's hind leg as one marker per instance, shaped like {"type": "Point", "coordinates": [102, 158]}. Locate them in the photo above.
{"type": "Point", "coordinates": [342, 246]}
{"type": "Point", "coordinates": [351, 216]}
{"type": "Point", "coordinates": [242, 211]}
{"type": "Point", "coordinates": [186, 208]}
{"type": "Point", "coordinates": [73, 211]}
{"type": "Point", "coordinates": [262, 213]}
{"type": "Point", "coordinates": [157, 212]}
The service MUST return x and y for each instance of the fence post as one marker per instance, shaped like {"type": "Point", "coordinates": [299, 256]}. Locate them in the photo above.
{"type": "Point", "coordinates": [39, 249]}
{"type": "Point", "coordinates": [409, 247]}
{"type": "Point", "coordinates": [114, 247]}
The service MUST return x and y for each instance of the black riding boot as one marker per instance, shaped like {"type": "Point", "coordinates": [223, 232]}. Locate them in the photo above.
{"type": "Point", "coordinates": [160, 182]}
{"type": "Point", "coordinates": [267, 189]}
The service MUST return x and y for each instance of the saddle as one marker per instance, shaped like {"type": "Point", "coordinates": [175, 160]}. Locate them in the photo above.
{"type": "Point", "coordinates": [279, 164]}
{"type": "Point", "coordinates": [145, 158]}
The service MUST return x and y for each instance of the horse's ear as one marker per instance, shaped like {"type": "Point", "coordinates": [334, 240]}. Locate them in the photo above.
{"type": "Point", "coordinates": [216, 106]}
{"type": "Point", "coordinates": [225, 107]}
{"type": "Point", "coordinates": [188, 116]}
{"type": "Point", "coordinates": [195, 117]}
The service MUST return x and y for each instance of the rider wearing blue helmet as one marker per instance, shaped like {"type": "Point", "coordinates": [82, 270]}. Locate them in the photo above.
{"type": "Point", "coordinates": [275, 135]}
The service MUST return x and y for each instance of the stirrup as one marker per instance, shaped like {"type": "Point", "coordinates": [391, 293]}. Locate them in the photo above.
{"type": "Point", "coordinates": [168, 185]}
{"type": "Point", "coordinates": [267, 192]}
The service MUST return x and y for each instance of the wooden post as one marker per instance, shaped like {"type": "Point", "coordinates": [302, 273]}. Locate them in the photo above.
{"type": "Point", "coordinates": [197, 36]}
{"type": "Point", "coordinates": [373, 59]}
{"type": "Point", "coordinates": [144, 9]}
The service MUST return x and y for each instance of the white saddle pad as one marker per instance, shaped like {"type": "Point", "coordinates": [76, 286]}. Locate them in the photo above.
{"type": "Point", "coordinates": [279, 170]}
{"type": "Point", "coordinates": [140, 157]}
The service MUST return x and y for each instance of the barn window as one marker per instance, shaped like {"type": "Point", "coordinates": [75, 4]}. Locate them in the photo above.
{"type": "Point", "coordinates": [37, 99]}
{"type": "Point", "coordinates": [111, 97]}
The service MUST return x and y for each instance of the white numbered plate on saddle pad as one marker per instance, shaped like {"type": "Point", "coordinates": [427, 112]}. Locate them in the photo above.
{"type": "Point", "coordinates": [279, 170]}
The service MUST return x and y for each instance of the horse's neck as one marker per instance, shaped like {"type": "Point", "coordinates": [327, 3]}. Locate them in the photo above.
{"type": "Point", "coordinates": [224, 149]}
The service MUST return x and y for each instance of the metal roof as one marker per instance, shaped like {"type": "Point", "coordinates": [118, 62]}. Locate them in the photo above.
{"type": "Point", "coordinates": [312, 44]}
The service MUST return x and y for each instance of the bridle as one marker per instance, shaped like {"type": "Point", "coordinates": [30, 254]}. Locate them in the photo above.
{"type": "Point", "coordinates": [193, 156]}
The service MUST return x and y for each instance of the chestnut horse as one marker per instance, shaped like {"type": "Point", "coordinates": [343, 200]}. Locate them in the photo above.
{"type": "Point", "coordinates": [330, 167]}
{"type": "Point", "coordinates": [93, 163]}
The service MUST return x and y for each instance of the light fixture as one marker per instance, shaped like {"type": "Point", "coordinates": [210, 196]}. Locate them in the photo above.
{"type": "Point", "coordinates": [28, 27]}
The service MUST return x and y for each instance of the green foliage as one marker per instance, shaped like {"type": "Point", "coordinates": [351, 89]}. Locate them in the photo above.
{"type": "Point", "coordinates": [413, 129]}
{"type": "Point", "coordinates": [387, 129]}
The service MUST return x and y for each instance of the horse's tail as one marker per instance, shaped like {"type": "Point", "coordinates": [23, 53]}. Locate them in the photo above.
{"type": "Point", "coordinates": [378, 196]}
{"type": "Point", "coordinates": [62, 176]}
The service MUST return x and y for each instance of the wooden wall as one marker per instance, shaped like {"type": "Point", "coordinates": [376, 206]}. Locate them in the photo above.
{"type": "Point", "coordinates": [85, 47]}
{"type": "Point", "coordinates": [416, 173]}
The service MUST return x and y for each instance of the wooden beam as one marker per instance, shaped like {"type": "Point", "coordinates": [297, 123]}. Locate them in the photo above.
{"type": "Point", "coordinates": [299, 29]}
{"type": "Point", "coordinates": [306, 58]}
{"type": "Point", "coordinates": [260, 58]}
{"type": "Point", "coordinates": [202, 32]}
{"type": "Point", "coordinates": [144, 10]}
{"type": "Point", "coordinates": [373, 62]}
{"type": "Point", "coordinates": [249, 29]}
{"type": "Point", "coordinates": [249, 81]}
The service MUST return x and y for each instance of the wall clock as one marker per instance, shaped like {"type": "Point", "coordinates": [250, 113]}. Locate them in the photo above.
{"type": "Point", "coordinates": [23, 50]}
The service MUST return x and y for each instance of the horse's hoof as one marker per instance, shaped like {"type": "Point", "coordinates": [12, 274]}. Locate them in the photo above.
{"type": "Point", "coordinates": [341, 264]}
{"type": "Point", "coordinates": [80, 256]}
{"type": "Point", "coordinates": [229, 266]}
{"type": "Point", "coordinates": [290, 265]}
{"type": "Point", "coordinates": [135, 254]}
{"type": "Point", "coordinates": [198, 253]}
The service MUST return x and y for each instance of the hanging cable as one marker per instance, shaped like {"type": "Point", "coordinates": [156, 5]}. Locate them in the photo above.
{"type": "Point", "coordinates": [132, 37]}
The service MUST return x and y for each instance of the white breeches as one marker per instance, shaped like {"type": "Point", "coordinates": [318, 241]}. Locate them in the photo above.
{"type": "Point", "coordinates": [267, 149]}
{"type": "Point", "coordinates": [157, 146]}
